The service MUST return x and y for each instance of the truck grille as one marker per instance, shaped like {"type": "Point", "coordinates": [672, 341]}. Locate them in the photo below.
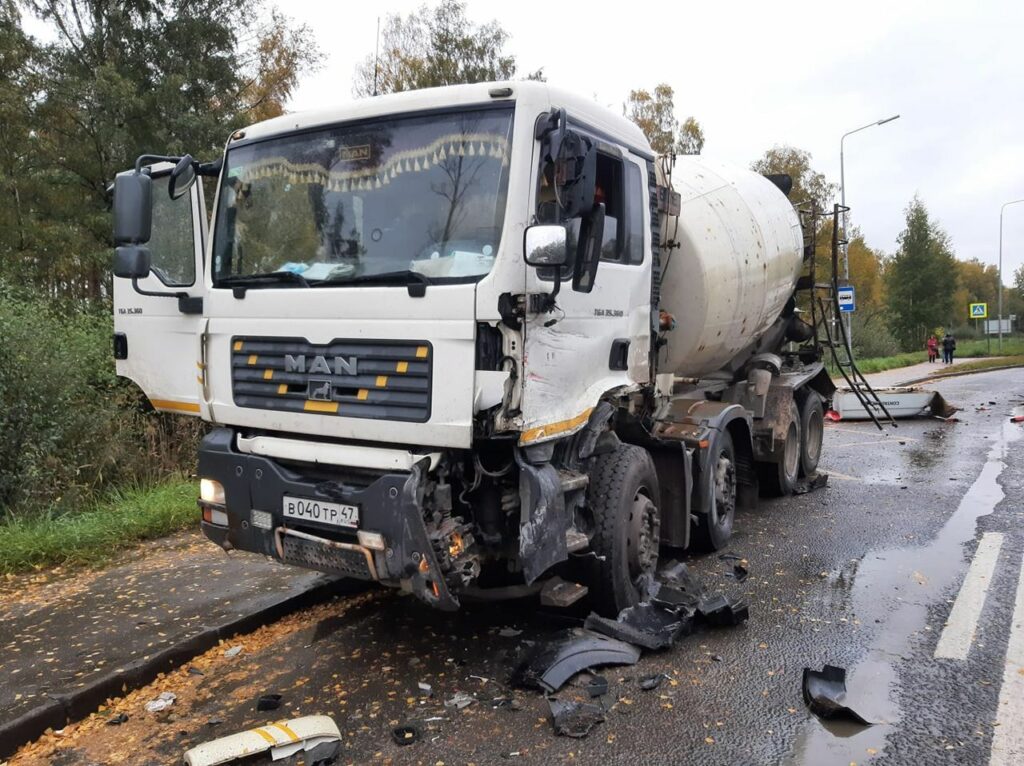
{"type": "Point", "coordinates": [382, 380]}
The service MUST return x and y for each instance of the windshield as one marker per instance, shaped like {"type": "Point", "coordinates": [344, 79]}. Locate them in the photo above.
{"type": "Point", "coordinates": [423, 194]}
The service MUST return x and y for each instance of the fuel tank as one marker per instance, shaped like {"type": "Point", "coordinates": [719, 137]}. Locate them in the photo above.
{"type": "Point", "coordinates": [737, 256]}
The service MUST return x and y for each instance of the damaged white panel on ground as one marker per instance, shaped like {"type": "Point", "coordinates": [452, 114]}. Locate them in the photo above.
{"type": "Point", "coordinates": [282, 739]}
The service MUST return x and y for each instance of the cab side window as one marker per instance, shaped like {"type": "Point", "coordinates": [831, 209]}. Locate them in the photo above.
{"type": "Point", "coordinates": [172, 245]}
{"type": "Point", "coordinates": [620, 183]}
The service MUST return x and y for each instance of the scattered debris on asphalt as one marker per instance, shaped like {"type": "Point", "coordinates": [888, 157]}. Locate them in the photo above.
{"type": "Point", "coordinates": [459, 700]}
{"type": "Point", "coordinates": [574, 719]}
{"type": "Point", "coordinates": [318, 735]}
{"type": "Point", "coordinates": [738, 573]}
{"type": "Point", "coordinates": [426, 688]}
{"type": "Point", "coordinates": [509, 632]}
{"type": "Point", "coordinates": [650, 683]}
{"type": "Point", "coordinates": [268, 702]}
{"type": "Point", "coordinates": [729, 557]}
{"type": "Point", "coordinates": [549, 664]}
{"type": "Point", "coordinates": [194, 671]}
{"type": "Point", "coordinates": [561, 593]}
{"type": "Point", "coordinates": [234, 651]}
{"type": "Point", "coordinates": [824, 692]}
{"type": "Point", "coordinates": [405, 734]}
{"type": "Point", "coordinates": [164, 701]}
{"type": "Point", "coordinates": [810, 483]}
{"type": "Point", "coordinates": [597, 687]}
{"type": "Point", "coordinates": [721, 612]}
{"type": "Point", "coordinates": [645, 625]}
{"type": "Point", "coordinates": [118, 719]}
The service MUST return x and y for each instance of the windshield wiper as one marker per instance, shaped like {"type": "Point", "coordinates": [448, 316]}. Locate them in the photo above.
{"type": "Point", "coordinates": [416, 281]}
{"type": "Point", "coordinates": [265, 278]}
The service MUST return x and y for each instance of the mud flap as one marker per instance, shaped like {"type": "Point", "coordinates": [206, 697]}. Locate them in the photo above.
{"type": "Point", "coordinates": [544, 521]}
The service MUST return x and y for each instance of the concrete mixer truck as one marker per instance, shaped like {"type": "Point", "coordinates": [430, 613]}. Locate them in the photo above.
{"type": "Point", "coordinates": [470, 341]}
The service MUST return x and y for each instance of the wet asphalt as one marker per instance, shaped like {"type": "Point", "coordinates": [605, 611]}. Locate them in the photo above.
{"type": "Point", "coordinates": [861, 574]}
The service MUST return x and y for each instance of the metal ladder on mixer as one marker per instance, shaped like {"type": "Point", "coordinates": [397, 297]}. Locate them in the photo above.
{"type": "Point", "coordinates": [826, 317]}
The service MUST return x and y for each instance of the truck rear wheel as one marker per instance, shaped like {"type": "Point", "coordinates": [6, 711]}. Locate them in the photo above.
{"type": "Point", "coordinates": [812, 431]}
{"type": "Point", "coordinates": [623, 495]}
{"type": "Point", "coordinates": [714, 525]}
{"type": "Point", "coordinates": [778, 479]}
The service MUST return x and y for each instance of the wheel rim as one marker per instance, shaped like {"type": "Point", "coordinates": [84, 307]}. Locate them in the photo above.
{"type": "Point", "coordinates": [643, 538]}
{"type": "Point", "coordinates": [791, 458]}
{"type": "Point", "coordinates": [815, 431]}
{"type": "Point", "coordinates": [725, 491]}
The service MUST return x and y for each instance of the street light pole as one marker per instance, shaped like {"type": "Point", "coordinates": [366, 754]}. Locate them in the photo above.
{"type": "Point", "coordinates": [1005, 205]}
{"type": "Point", "coordinates": [842, 202]}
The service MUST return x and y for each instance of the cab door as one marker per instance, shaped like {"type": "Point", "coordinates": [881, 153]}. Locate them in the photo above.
{"type": "Point", "coordinates": [157, 337]}
{"type": "Point", "coordinates": [591, 343]}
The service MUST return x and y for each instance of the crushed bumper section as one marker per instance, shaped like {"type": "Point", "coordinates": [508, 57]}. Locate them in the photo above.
{"type": "Point", "coordinates": [391, 505]}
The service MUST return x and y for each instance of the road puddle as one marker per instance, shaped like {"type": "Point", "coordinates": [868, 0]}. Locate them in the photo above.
{"type": "Point", "coordinates": [894, 588]}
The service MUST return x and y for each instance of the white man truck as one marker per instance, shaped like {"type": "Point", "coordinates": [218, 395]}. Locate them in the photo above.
{"type": "Point", "coordinates": [464, 340]}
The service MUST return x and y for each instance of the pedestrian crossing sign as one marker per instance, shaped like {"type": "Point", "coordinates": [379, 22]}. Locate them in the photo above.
{"type": "Point", "coordinates": [979, 311]}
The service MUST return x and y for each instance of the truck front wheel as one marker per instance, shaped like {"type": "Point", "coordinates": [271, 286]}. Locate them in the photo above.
{"type": "Point", "coordinates": [623, 496]}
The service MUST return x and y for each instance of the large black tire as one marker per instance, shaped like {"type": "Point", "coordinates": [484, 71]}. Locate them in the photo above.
{"type": "Point", "coordinates": [812, 432]}
{"type": "Point", "coordinates": [623, 497]}
{"type": "Point", "coordinates": [778, 479]}
{"type": "Point", "coordinates": [718, 496]}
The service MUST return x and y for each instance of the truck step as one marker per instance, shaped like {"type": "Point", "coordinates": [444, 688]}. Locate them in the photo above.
{"type": "Point", "coordinates": [575, 540]}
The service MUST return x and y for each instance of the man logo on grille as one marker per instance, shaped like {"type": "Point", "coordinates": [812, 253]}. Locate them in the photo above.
{"type": "Point", "coordinates": [319, 391]}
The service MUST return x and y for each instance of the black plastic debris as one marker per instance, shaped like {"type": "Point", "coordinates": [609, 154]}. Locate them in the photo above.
{"type": "Point", "coordinates": [645, 625]}
{"type": "Point", "coordinates": [824, 692]}
{"type": "Point", "coordinates": [118, 719]}
{"type": "Point", "coordinates": [739, 573]}
{"type": "Point", "coordinates": [215, 721]}
{"type": "Point", "coordinates": [729, 557]}
{"type": "Point", "coordinates": [549, 664]}
{"type": "Point", "coordinates": [405, 734]}
{"type": "Point", "coordinates": [574, 719]}
{"type": "Point", "coordinates": [650, 683]}
{"type": "Point", "coordinates": [811, 483]}
{"type": "Point", "coordinates": [268, 702]}
{"type": "Point", "coordinates": [721, 612]}
{"type": "Point", "coordinates": [194, 671]}
{"type": "Point", "coordinates": [324, 754]}
{"type": "Point", "coordinates": [597, 687]}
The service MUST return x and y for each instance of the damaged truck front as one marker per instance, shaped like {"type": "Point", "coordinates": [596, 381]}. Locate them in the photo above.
{"type": "Point", "coordinates": [467, 340]}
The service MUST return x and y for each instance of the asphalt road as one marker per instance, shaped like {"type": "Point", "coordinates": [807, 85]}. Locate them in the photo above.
{"type": "Point", "coordinates": [919, 526]}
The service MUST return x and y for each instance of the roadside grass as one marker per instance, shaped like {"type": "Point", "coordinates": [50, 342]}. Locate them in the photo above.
{"type": "Point", "coordinates": [1012, 347]}
{"type": "Point", "coordinates": [1017, 360]}
{"type": "Point", "coordinates": [95, 535]}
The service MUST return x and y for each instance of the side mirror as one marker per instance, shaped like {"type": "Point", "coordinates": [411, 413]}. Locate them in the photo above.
{"type": "Point", "coordinates": [132, 262]}
{"type": "Point", "coordinates": [546, 245]}
{"type": "Point", "coordinates": [575, 174]}
{"type": "Point", "coordinates": [182, 177]}
{"type": "Point", "coordinates": [133, 207]}
{"type": "Point", "coordinates": [588, 250]}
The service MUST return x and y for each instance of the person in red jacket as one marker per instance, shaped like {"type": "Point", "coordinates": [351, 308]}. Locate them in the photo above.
{"type": "Point", "coordinates": [933, 348]}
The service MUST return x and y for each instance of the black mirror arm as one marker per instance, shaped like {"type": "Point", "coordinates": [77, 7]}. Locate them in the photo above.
{"type": "Point", "coordinates": [150, 158]}
{"type": "Point", "coordinates": [210, 169]}
{"type": "Point", "coordinates": [187, 304]}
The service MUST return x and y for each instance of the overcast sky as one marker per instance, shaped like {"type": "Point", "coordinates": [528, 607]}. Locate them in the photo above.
{"type": "Point", "coordinates": [759, 73]}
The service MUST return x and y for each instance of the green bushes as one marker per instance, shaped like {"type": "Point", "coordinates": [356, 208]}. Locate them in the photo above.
{"type": "Point", "coordinates": [69, 428]}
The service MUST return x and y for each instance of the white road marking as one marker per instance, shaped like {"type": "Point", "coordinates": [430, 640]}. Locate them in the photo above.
{"type": "Point", "coordinates": [956, 638]}
{"type": "Point", "coordinates": [1008, 736]}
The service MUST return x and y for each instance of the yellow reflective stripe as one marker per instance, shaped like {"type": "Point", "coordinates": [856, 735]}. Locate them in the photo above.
{"type": "Point", "coordinates": [363, 393]}
{"type": "Point", "coordinates": [553, 429]}
{"type": "Point", "coordinates": [382, 380]}
{"type": "Point", "coordinates": [266, 735]}
{"type": "Point", "coordinates": [291, 734]}
{"type": "Point", "coordinates": [168, 404]}
{"type": "Point", "coordinates": [320, 406]}
{"type": "Point", "coordinates": [268, 374]}
{"type": "Point", "coordinates": [421, 352]}
{"type": "Point", "coordinates": [238, 345]}
{"type": "Point", "coordinates": [253, 358]}
{"type": "Point", "coordinates": [402, 367]}
{"type": "Point", "coordinates": [283, 388]}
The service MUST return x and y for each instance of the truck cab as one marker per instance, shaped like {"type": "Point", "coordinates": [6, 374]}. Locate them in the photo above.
{"type": "Point", "coordinates": [424, 330]}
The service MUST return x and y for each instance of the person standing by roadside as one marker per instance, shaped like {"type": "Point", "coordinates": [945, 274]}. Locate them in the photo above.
{"type": "Point", "coordinates": [948, 347]}
{"type": "Point", "coordinates": [933, 348]}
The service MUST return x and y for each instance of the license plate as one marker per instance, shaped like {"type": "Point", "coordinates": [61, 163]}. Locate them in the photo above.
{"type": "Point", "coordinates": [304, 509]}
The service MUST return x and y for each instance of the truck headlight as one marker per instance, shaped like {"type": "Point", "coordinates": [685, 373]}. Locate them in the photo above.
{"type": "Point", "coordinates": [211, 491]}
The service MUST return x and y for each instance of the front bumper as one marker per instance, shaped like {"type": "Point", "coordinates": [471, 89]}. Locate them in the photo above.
{"type": "Point", "coordinates": [391, 505]}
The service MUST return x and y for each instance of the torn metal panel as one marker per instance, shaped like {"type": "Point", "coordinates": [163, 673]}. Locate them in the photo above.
{"type": "Point", "coordinates": [545, 519]}
{"type": "Point", "coordinates": [824, 692]}
{"type": "Point", "coordinates": [644, 625]}
{"type": "Point", "coordinates": [282, 739]}
{"type": "Point", "coordinates": [901, 402]}
{"type": "Point", "coordinates": [550, 664]}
